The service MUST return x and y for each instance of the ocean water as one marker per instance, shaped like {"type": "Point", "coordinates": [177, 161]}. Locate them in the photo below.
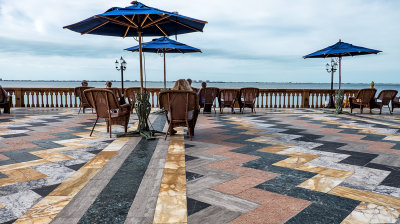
{"type": "Point", "coordinates": [153, 84]}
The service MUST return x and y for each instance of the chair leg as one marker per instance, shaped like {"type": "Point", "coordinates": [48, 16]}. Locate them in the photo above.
{"type": "Point", "coordinates": [361, 109]}
{"type": "Point", "coordinates": [390, 110]}
{"type": "Point", "coordinates": [351, 110]}
{"type": "Point", "coordinates": [380, 111]}
{"type": "Point", "coordinates": [110, 128]}
{"type": "Point", "coordinates": [190, 131]}
{"type": "Point", "coordinates": [94, 126]}
{"type": "Point", "coordinates": [79, 110]}
{"type": "Point", "coordinates": [168, 131]}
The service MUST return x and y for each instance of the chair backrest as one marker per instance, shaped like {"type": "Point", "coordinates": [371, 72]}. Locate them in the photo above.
{"type": "Point", "coordinates": [130, 94]}
{"type": "Point", "coordinates": [386, 96]}
{"type": "Point", "coordinates": [3, 96]}
{"type": "Point", "coordinates": [178, 103]}
{"type": "Point", "coordinates": [209, 94]}
{"type": "Point", "coordinates": [228, 95]}
{"type": "Point", "coordinates": [102, 100]}
{"type": "Point", "coordinates": [366, 95]}
{"type": "Point", "coordinates": [79, 93]}
{"type": "Point", "coordinates": [116, 91]}
{"type": "Point", "coordinates": [249, 94]}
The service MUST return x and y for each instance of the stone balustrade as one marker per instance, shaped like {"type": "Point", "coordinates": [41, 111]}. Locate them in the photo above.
{"type": "Point", "coordinates": [268, 98]}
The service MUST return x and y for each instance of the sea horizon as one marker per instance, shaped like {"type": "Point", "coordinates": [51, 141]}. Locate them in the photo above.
{"type": "Point", "coordinates": [196, 84]}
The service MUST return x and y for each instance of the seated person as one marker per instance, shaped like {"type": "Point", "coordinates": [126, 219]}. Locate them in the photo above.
{"type": "Point", "coordinates": [182, 84]}
{"type": "Point", "coordinates": [84, 83]}
{"type": "Point", "coordinates": [108, 84]}
{"type": "Point", "coordinates": [202, 100]}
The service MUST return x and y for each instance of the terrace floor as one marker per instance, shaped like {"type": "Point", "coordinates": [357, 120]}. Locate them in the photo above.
{"type": "Point", "coordinates": [275, 166]}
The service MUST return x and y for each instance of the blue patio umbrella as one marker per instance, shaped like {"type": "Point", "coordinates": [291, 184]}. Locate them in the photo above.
{"type": "Point", "coordinates": [138, 20]}
{"type": "Point", "coordinates": [164, 45]}
{"type": "Point", "coordinates": [341, 49]}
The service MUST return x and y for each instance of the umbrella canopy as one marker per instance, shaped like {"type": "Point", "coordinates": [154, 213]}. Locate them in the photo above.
{"type": "Point", "coordinates": [341, 49]}
{"type": "Point", "coordinates": [164, 45]}
{"type": "Point", "coordinates": [137, 20]}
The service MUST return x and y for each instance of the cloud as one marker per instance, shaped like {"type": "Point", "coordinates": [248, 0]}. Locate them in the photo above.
{"type": "Point", "coordinates": [256, 37]}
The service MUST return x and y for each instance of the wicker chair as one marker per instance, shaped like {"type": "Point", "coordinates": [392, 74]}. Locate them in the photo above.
{"type": "Point", "coordinates": [395, 103]}
{"type": "Point", "coordinates": [181, 108]}
{"type": "Point", "coordinates": [5, 101]}
{"type": "Point", "coordinates": [228, 97]}
{"type": "Point", "coordinates": [385, 97]}
{"type": "Point", "coordinates": [363, 99]}
{"type": "Point", "coordinates": [130, 95]}
{"type": "Point", "coordinates": [105, 102]}
{"type": "Point", "coordinates": [248, 98]}
{"type": "Point", "coordinates": [83, 101]}
{"type": "Point", "coordinates": [207, 97]}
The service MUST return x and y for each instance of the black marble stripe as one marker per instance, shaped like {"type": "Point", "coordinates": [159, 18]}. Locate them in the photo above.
{"type": "Point", "coordinates": [113, 203]}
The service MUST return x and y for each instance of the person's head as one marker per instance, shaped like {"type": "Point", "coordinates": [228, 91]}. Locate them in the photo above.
{"type": "Point", "coordinates": [108, 84]}
{"type": "Point", "coordinates": [189, 81]}
{"type": "Point", "coordinates": [84, 83]}
{"type": "Point", "coordinates": [203, 85]}
{"type": "Point", "coordinates": [181, 84]}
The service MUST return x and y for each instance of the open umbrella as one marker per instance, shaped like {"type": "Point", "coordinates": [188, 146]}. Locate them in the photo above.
{"type": "Point", "coordinates": [138, 20]}
{"type": "Point", "coordinates": [341, 49]}
{"type": "Point", "coordinates": [164, 45]}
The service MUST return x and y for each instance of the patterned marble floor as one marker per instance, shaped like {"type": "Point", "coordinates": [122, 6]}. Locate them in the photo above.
{"type": "Point", "coordinates": [275, 166]}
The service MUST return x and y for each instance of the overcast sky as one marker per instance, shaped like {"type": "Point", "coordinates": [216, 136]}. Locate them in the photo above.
{"type": "Point", "coordinates": [254, 40]}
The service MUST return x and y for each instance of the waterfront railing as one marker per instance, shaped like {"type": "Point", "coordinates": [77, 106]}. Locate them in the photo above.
{"type": "Point", "coordinates": [268, 98]}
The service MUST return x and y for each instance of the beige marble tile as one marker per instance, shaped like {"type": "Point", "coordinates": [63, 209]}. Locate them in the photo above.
{"type": "Point", "coordinates": [311, 168]}
{"type": "Point", "coordinates": [366, 196]}
{"type": "Point", "coordinates": [100, 159]}
{"type": "Point", "coordinates": [76, 182]}
{"type": "Point", "coordinates": [20, 175]}
{"type": "Point", "coordinates": [273, 149]}
{"type": "Point", "coordinates": [295, 161]}
{"type": "Point", "coordinates": [51, 156]}
{"type": "Point", "coordinates": [45, 211]}
{"type": "Point", "coordinates": [321, 183]}
{"type": "Point", "coordinates": [171, 209]}
{"type": "Point", "coordinates": [372, 213]}
{"type": "Point", "coordinates": [1, 206]}
{"type": "Point", "coordinates": [337, 173]}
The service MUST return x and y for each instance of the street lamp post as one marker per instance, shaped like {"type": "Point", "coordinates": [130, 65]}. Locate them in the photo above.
{"type": "Point", "coordinates": [331, 68]}
{"type": "Point", "coordinates": [121, 66]}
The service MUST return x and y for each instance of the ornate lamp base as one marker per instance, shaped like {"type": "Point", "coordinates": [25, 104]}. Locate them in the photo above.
{"type": "Point", "coordinates": [339, 96]}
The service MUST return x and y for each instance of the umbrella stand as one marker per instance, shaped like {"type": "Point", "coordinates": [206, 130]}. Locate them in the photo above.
{"type": "Point", "coordinates": [165, 73]}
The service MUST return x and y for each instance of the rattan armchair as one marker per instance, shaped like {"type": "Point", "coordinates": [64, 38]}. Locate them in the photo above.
{"type": "Point", "coordinates": [248, 97]}
{"type": "Point", "coordinates": [363, 99]}
{"type": "Point", "coordinates": [130, 95]}
{"type": "Point", "coordinates": [228, 98]}
{"type": "Point", "coordinates": [181, 108]}
{"type": "Point", "coordinates": [207, 97]}
{"type": "Point", "coordinates": [384, 98]}
{"type": "Point", "coordinates": [108, 108]}
{"type": "Point", "coordinates": [83, 103]}
{"type": "Point", "coordinates": [5, 101]}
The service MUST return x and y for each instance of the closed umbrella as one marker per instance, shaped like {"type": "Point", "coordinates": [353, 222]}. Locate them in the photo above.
{"type": "Point", "coordinates": [341, 49]}
{"type": "Point", "coordinates": [164, 45]}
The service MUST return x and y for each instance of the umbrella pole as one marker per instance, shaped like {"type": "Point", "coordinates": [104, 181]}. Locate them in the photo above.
{"type": "Point", "coordinates": [165, 74]}
{"type": "Point", "coordinates": [140, 59]}
{"type": "Point", "coordinates": [340, 71]}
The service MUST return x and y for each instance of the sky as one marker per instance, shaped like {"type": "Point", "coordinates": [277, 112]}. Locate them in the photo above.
{"type": "Point", "coordinates": [244, 41]}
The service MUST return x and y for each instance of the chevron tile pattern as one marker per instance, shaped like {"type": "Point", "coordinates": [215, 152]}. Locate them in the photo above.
{"type": "Point", "coordinates": [276, 166]}
{"type": "Point", "coordinates": [294, 166]}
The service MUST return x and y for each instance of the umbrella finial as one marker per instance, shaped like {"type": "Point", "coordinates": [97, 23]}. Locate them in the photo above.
{"type": "Point", "coordinates": [340, 40]}
{"type": "Point", "coordinates": [133, 2]}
